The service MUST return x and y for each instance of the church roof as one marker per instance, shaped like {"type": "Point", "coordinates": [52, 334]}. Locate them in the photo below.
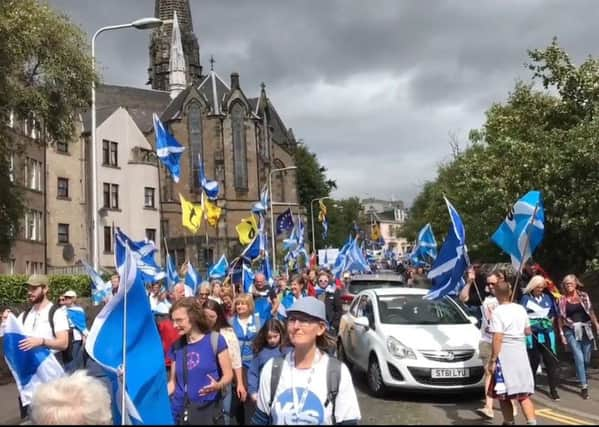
{"type": "Point", "coordinates": [140, 103]}
{"type": "Point", "coordinates": [214, 89]}
{"type": "Point", "coordinates": [280, 135]}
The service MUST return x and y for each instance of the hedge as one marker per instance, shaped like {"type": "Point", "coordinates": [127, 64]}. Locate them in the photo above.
{"type": "Point", "coordinates": [13, 290]}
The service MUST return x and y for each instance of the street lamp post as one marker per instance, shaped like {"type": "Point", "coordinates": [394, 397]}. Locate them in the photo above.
{"type": "Point", "coordinates": [140, 24]}
{"type": "Point", "coordinates": [312, 219]}
{"type": "Point", "coordinates": [272, 214]}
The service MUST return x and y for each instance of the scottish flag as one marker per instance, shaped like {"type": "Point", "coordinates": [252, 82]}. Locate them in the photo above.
{"type": "Point", "coordinates": [339, 266]}
{"type": "Point", "coordinates": [172, 277]}
{"type": "Point", "coordinates": [426, 246]}
{"type": "Point", "coordinates": [143, 253]}
{"type": "Point", "coordinates": [220, 269]}
{"type": "Point", "coordinates": [261, 206]}
{"type": "Point", "coordinates": [252, 251]}
{"type": "Point", "coordinates": [522, 230]}
{"type": "Point", "coordinates": [247, 279]}
{"type": "Point", "coordinates": [192, 280]}
{"type": "Point", "coordinates": [168, 149]}
{"type": "Point", "coordinates": [325, 229]}
{"type": "Point", "coordinates": [145, 388]}
{"type": "Point", "coordinates": [77, 319]}
{"type": "Point", "coordinates": [284, 221]}
{"type": "Point", "coordinates": [448, 269]}
{"type": "Point", "coordinates": [290, 243]}
{"type": "Point", "coordinates": [100, 289]}
{"type": "Point", "coordinates": [29, 368]}
{"type": "Point", "coordinates": [210, 187]}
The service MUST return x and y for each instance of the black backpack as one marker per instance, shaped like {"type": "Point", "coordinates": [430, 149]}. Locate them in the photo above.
{"type": "Point", "coordinates": [64, 356]}
{"type": "Point", "coordinates": [333, 380]}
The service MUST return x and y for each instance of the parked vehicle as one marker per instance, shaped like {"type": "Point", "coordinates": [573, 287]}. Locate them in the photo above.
{"type": "Point", "coordinates": [369, 281]}
{"type": "Point", "coordinates": [404, 341]}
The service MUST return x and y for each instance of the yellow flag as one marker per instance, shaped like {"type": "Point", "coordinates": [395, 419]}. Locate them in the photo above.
{"type": "Point", "coordinates": [247, 229]}
{"type": "Point", "coordinates": [376, 232]}
{"type": "Point", "coordinates": [191, 215]}
{"type": "Point", "coordinates": [211, 211]}
{"type": "Point", "coordinates": [323, 211]}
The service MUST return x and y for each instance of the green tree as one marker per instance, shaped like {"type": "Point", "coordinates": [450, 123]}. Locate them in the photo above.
{"type": "Point", "coordinates": [544, 140]}
{"type": "Point", "coordinates": [46, 74]}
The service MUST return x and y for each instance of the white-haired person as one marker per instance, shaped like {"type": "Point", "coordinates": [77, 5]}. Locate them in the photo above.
{"type": "Point", "coordinates": [301, 395]}
{"type": "Point", "coordinates": [77, 399]}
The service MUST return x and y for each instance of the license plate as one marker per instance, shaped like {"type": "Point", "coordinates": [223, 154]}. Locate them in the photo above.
{"type": "Point", "coordinates": [450, 373]}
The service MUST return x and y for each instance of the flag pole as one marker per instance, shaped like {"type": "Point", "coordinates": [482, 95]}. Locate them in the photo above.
{"type": "Point", "coordinates": [124, 367]}
{"type": "Point", "coordinates": [526, 243]}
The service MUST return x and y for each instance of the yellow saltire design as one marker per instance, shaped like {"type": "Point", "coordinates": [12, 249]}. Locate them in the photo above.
{"type": "Point", "coordinates": [191, 214]}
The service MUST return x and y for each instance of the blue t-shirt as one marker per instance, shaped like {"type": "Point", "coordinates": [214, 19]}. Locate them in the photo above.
{"type": "Point", "coordinates": [201, 362]}
{"type": "Point", "coordinates": [246, 337]}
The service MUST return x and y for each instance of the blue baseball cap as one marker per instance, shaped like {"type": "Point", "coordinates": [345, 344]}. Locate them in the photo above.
{"type": "Point", "coordinates": [310, 306]}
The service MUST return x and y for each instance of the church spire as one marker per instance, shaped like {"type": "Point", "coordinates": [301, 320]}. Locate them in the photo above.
{"type": "Point", "coordinates": [177, 80]}
{"type": "Point", "coordinates": [160, 45]}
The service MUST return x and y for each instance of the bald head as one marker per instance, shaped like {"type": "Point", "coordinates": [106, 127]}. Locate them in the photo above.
{"type": "Point", "coordinates": [260, 281]}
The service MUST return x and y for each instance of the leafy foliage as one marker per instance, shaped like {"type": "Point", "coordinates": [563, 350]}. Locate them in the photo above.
{"type": "Point", "coordinates": [13, 291]}
{"type": "Point", "coordinates": [543, 140]}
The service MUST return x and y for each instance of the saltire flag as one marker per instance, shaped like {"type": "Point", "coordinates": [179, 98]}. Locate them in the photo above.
{"type": "Point", "coordinates": [252, 251]}
{"type": "Point", "coordinates": [29, 368]}
{"type": "Point", "coordinates": [284, 221]}
{"type": "Point", "coordinates": [261, 206]}
{"type": "Point", "coordinates": [339, 266]}
{"type": "Point", "coordinates": [211, 211]}
{"type": "Point", "coordinates": [290, 243]}
{"type": "Point", "coordinates": [426, 246]}
{"type": "Point", "coordinates": [100, 288]}
{"type": "Point", "coordinates": [447, 272]}
{"type": "Point", "coordinates": [247, 229]}
{"type": "Point", "coordinates": [220, 269]}
{"type": "Point", "coordinates": [77, 319]}
{"type": "Point", "coordinates": [247, 278]}
{"type": "Point", "coordinates": [172, 276]}
{"type": "Point", "coordinates": [143, 252]}
{"type": "Point", "coordinates": [522, 230]}
{"type": "Point", "coordinates": [191, 214]}
{"type": "Point", "coordinates": [210, 187]}
{"type": "Point", "coordinates": [325, 229]}
{"type": "Point", "coordinates": [192, 280]}
{"type": "Point", "coordinates": [146, 396]}
{"type": "Point", "coordinates": [168, 149]}
{"type": "Point", "coordinates": [355, 260]}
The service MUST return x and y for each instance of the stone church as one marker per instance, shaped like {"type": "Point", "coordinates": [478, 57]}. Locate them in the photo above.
{"type": "Point", "coordinates": [239, 138]}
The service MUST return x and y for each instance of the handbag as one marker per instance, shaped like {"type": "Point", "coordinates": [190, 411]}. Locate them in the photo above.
{"type": "Point", "coordinates": [209, 414]}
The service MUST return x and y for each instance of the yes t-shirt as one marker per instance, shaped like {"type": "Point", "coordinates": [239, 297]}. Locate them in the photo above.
{"type": "Point", "coordinates": [511, 320]}
{"type": "Point", "coordinates": [292, 405]}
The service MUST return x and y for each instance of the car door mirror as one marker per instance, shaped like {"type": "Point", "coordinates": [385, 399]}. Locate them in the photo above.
{"type": "Point", "coordinates": [473, 320]}
{"type": "Point", "coordinates": [363, 321]}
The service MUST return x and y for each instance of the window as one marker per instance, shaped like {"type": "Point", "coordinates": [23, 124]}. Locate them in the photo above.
{"type": "Point", "coordinates": [239, 148]}
{"type": "Point", "coordinates": [108, 239]}
{"type": "Point", "coordinates": [111, 196]}
{"type": "Point", "coordinates": [110, 156]}
{"type": "Point", "coordinates": [27, 268]}
{"type": "Point", "coordinates": [11, 167]}
{"type": "Point", "coordinates": [62, 147]}
{"type": "Point", "coordinates": [33, 174]}
{"type": "Point", "coordinates": [63, 233]}
{"type": "Point", "coordinates": [151, 234]}
{"type": "Point", "coordinates": [12, 264]}
{"type": "Point", "coordinates": [148, 197]}
{"type": "Point", "coordinates": [195, 142]}
{"type": "Point", "coordinates": [33, 225]}
{"type": "Point", "coordinates": [164, 227]}
{"type": "Point", "coordinates": [63, 188]}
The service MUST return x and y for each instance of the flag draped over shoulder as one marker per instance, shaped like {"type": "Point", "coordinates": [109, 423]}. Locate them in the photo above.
{"type": "Point", "coordinates": [100, 288]}
{"type": "Point", "coordinates": [284, 221]}
{"type": "Point", "coordinates": [146, 400]}
{"type": "Point", "coordinates": [191, 214]}
{"type": "Point", "coordinates": [523, 228]}
{"type": "Point", "coordinates": [448, 269]}
{"type": "Point", "coordinates": [168, 149]}
{"type": "Point", "coordinates": [247, 229]}
{"type": "Point", "coordinates": [29, 368]}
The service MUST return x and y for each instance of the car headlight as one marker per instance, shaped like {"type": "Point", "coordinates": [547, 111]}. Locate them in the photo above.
{"type": "Point", "coordinates": [397, 349]}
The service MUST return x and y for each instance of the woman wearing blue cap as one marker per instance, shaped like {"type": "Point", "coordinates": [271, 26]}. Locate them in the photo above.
{"type": "Point", "coordinates": [306, 386]}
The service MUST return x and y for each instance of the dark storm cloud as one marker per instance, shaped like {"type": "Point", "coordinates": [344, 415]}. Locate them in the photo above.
{"type": "Point", "coordinates": [380, 83]}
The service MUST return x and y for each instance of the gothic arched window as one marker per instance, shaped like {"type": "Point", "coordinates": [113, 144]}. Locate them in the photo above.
{"type": "Point", "coordinates": [239, 147]}
{"type": "Point", "coordinates": [194, 123]}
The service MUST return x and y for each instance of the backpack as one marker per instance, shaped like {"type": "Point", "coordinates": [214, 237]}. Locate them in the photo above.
{"type": "Point", "coordinates": [333, 380]}
{"type": "Point", "coordinates": [66, 355]}
{"type": "Point", "coordinates": [213, 342]}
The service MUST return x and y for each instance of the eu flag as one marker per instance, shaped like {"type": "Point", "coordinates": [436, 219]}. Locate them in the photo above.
{"type": "Point", "coordinates": [284, 221]}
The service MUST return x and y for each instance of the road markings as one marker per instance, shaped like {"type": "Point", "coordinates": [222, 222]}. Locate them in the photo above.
{"type": "Point", "coordinates": [565, 419]}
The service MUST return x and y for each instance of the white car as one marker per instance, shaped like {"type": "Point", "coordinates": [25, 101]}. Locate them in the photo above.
{"type": "Point", "coordinates": [404, 341]}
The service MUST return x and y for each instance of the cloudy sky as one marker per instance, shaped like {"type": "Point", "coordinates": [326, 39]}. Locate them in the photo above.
{"type": "Point", "coordinates": [376, 89]}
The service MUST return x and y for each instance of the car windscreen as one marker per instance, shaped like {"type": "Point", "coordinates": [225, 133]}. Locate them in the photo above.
{"type": "Point", "coordinates": [356, 286]}
{"type": "Point", "coordinates": [414, 310]}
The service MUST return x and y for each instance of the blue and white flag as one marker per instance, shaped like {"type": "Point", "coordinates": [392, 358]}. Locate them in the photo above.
{"type": "Point", "coordinates": [426, 247]}
{"type": "Point", "coordinates": [252, 251]}
{"type": "Point", "coordinates": [261, 206]}
{"type": "Point", "coordinates": [192, 280]}
{"type": "Point", "coordinates": [77, 319]}
{"type": "Point", "coordinates": [29, 368]}
{"type": "Point", "coordinates": [523, 228]}
{"type": "Point", "coordinates": [325, 229]}
{"type": "Point", "coordinates": [172, 276]}
{"type": "Point", "coordinates": [447, 272]}
{"type": "Point", "coordinates": [220, 269]}
{"type": "Point", "coordinates": [339, 266]}
{"type": "Point", "coordinates": [146, 397]}
{"type": "Point", "coordinates": [284, 221]}
{"type": "Point", "coordinates": [210, 187]}
{"type": "Point", "coordinates": [143, 252]}
{"type": "Point", "coordinates": [247, 279]}
{"type": "Point", "coordinates": [168, 149]}
{"type": "Point", "coordinates": [100, 288]}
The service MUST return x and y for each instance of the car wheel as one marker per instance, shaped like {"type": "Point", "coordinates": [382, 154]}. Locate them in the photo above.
{"type": "Point", "coordinates": [375, 378]}
{"type": "Point", "coordinates": [342, 356]}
